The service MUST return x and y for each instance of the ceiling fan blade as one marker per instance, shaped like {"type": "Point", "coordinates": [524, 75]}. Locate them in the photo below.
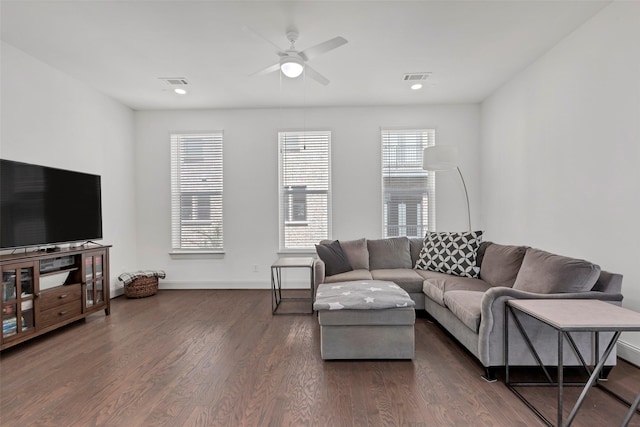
{"type": "Point", "coordinates": [269, 69]}
{"type": "Point", "coordinates": [258, 36]}
{"type": "Point", "coordinates": [319, 49]}
{"type": "Point", "coordinates": [310, 72]}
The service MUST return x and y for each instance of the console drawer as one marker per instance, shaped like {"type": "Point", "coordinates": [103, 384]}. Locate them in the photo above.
{"type": "Point", "coordinates": [60, 296]}
{"type": "Point", "coordinates": [58, 314]}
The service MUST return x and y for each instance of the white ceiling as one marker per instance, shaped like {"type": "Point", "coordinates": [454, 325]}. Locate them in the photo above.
{"type": "Point", "coordinates": [122, 47]}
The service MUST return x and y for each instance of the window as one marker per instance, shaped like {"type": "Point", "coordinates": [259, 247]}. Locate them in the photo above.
{"type": "Point", "coordinates": [304, 188]}
{"type": "Point", "coordinates": [408, 191]}
{"type": "Point", "coordinates": [196, 192]}
{"type": "Point", "coordinates": [295, 204]}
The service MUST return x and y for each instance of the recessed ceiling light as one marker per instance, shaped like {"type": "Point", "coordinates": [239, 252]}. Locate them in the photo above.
{"type": "Point", "coordinates": [180, 91]}
{"type": "Point", "coordinates": [416, 86]}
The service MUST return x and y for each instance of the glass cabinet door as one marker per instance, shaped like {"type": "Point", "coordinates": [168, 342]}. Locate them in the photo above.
{"type": "Point", "coordinates": [89, 299]}
{"type": "Point", "coordinates": [88, 266]}
{"type": "Point", "coordinates": [99, 292]}
{"type": "Point", "coordinates": [98, 265]}
{"type": "Point", "coordinates": [17, 300]}
{"type": "Point", "coordinates": [94, 295]}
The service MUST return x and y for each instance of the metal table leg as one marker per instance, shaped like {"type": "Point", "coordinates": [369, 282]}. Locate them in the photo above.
{"type": "Point", "coordinates": [632, 409]}
{"type": "Point", "coordinates": [276, 285]}
{"type": "Point", "coordinates": [560, 375]}
{"type": "Point", "coordinates": [593, 378]}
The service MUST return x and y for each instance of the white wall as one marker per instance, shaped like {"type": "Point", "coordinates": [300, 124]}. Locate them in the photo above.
{"type": "Point", "coordinates": [251, 177]}
{"type": "Point", "coordinates": [561, 149]}
{"type": "Point", "coordinates": [48, 118]}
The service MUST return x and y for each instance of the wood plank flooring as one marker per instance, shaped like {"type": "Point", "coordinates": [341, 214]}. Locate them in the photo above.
{"type": "Point", "coordinates": [219, 358]}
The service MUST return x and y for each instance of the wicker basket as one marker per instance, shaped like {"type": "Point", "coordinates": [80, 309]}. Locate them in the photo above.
{"type": "Point", "coordinates": [141, 287]}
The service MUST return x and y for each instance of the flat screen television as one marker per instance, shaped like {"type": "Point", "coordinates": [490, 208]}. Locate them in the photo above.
{"type": "Point", "coordinates": [40, 205]}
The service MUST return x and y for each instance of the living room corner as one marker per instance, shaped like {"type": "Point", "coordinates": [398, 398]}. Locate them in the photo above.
{"type": "Point", "coordinates": [556, 166]}
{"type": "Point", "coordinates": [541, 99]}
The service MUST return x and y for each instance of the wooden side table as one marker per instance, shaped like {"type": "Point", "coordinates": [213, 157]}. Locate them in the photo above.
{"type": "Point", "coordinates": [276, 282]}
{"type": "Point", "coordinates": [566, 316]}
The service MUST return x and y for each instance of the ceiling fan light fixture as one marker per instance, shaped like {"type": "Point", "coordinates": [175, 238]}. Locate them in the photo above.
{"type": "Point", "coordinates": [291, 66]}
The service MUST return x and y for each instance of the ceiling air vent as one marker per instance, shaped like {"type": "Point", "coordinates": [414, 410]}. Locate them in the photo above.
{"type": "Point", "coordinates": [174, 81]}
{"type": "Point", "coordinates": [415, 77]}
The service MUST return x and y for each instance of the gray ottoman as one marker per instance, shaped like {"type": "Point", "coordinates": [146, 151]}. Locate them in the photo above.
{"type": "Point", "coordinates": [368, 319]}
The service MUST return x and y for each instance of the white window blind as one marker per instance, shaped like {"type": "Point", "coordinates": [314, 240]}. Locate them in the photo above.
{"type": "Point", "coordinates": [304, 189]}
{"type": "Point", "coordinates": [196, 192]}
{"type": "Point", "coordinates": [408, 191]}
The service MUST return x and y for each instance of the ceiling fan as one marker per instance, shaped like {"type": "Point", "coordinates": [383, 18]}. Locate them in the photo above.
{"type": "Point", "coordinates": [292, 61]}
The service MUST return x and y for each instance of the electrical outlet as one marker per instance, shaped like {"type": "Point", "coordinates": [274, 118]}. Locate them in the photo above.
{"type": "Point", "coordinates": [255, 268]}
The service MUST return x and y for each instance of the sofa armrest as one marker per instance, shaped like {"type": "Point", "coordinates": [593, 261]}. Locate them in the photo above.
{"type": "Point", "coordinates": [491, 331]}
{"type": "Point", "coordinates": [318, 272]}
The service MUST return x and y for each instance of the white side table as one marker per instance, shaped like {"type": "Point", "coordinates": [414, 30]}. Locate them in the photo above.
{"type": "Point", "coordinates": [276, 282]}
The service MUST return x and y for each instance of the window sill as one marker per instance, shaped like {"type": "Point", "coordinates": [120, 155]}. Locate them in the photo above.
{"type": "Point", "coordinates": [297, 252]}
{"type": "Point", "coordinates": [197, 254]}
{"type": "Point", "coordinates": [296, 223]}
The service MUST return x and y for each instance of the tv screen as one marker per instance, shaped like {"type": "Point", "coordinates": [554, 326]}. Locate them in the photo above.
{"type": "Point", "coordinates": [40, 205]}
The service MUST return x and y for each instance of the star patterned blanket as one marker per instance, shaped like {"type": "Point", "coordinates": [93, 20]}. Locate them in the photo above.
{"type": "Point", "coordinates": [361, 295]}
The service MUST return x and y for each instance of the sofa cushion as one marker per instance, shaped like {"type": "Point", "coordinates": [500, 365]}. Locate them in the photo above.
{"type": "Point", "coordinates": [501, 263]}
{"type": "Point", "coordinates": [335, 260]}
{"type": "Point", "coordinates": [406, 278]}
{"type": "Point", "coordinates": [451, 253]}
{"type": "Point", "coordinates": [546, 273]}
{"type": "Point", "coordinates": [481, 250]}
{"type": "Point", "coordinates": [389, 253]}
{"type": "Point", "coordinates": [436, 288]}
{"type": "Point", "coordinates": [415, 247]}
{"type": "Point", "coordinates": [359, 274]}
{"type": "Point", "coordinates": [357, 252]}
{"type": "Point", "coordinates": [466, 306]}
{"type": "Point", "coordinates": [428, 274]}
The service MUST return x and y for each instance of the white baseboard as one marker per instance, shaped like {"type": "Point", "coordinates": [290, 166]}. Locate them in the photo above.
{"type": "Point", "coordinates": [628, 352]}
{"type": "Point", "coordinates": [263, 284]}
{"type": "Point", "coordinates": [116, 292]}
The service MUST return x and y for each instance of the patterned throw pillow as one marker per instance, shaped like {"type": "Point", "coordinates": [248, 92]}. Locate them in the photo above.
{"type": "Point", "coordinates": [451, 253]}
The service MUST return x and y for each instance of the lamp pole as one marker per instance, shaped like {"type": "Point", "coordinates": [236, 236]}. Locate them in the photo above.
{"type": "Point", "coordinates": [442, 158]}
{"type": "Point", "coordinates": [466, 195]}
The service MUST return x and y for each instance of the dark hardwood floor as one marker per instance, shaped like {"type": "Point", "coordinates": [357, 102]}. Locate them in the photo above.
{"type": "Point", "coordinates": [219, 358]}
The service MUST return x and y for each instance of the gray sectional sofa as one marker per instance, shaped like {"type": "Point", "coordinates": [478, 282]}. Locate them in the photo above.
{"type": "Point", "coordinates": [472, 309]}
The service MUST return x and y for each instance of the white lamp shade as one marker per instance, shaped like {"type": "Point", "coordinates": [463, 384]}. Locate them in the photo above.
{"type": "Point", "coordinates": [440, 158]}
{"type": "Point", "coordinates": [291, 66]}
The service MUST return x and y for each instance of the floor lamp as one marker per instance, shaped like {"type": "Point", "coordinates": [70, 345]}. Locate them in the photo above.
{"type": "Point", "coordinates": [444, 158]}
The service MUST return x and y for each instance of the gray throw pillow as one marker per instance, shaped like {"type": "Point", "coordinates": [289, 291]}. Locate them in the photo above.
{"type": "Point", "coordinates": [356, 251]}
{"type": "Point", "coordinates": [335, 260]}
{"type": "Point", "coordinates": [389, 253]}
{"type": "Point", "coordinates": [451, 253]}
{"type": "Point", "coordinates": [415, 247]}
{"type": "Point", "coordinates": [481, 250]}
{"type": "Point", "coordinates": [500, 264]}
{"type": "Point", "coordinates": [545, 273]}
